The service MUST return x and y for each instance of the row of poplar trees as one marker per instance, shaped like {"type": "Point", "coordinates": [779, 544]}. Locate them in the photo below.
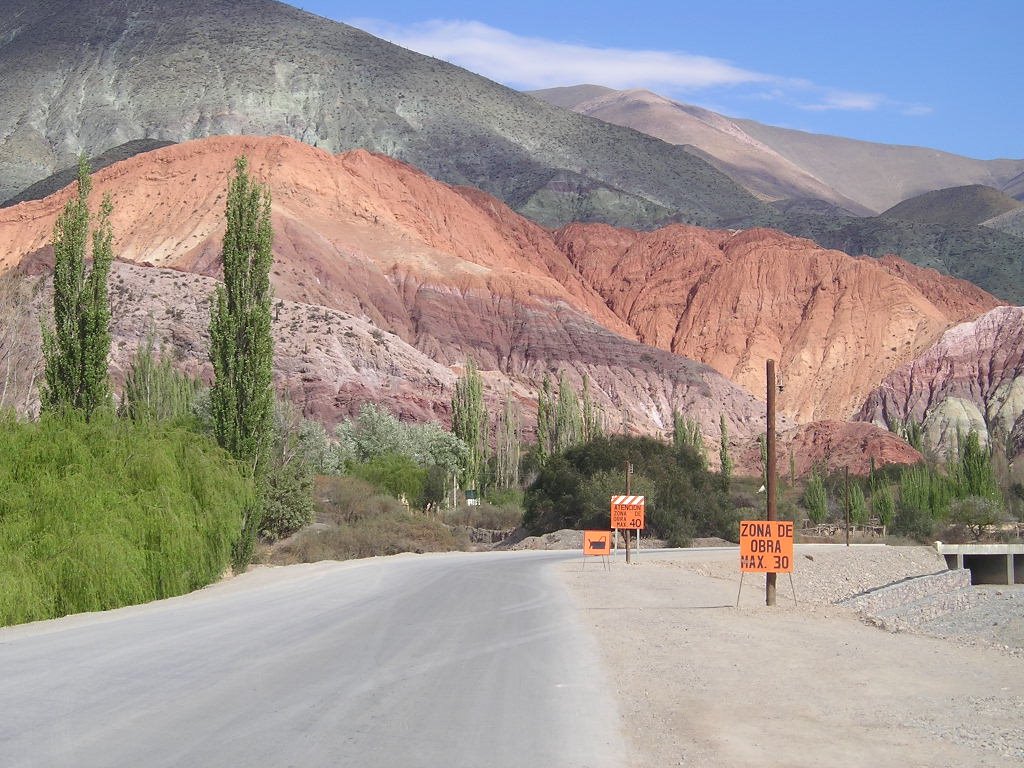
{"type": "Point", "coordinates": [77, 346]}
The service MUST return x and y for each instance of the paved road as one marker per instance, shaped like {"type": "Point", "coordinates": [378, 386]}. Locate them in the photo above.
{"type": "Point", "coordinates": [449, 660]}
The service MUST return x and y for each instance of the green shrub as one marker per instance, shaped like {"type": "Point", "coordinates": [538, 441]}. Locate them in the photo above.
{"type": "Point", "coordinates": [109, 513]}
{"type": "Point", "coordinates": [287, 499]}
{"type": "Point", "coordinates": [395, 474]}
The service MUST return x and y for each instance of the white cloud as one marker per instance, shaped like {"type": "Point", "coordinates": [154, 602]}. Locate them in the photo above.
{"type": "Point", "coordinates": [532, 62]}
{"type": "Point", "coordinates": [846, 100]}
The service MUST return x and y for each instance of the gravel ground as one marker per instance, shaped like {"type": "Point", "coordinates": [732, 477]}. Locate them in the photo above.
{"type": "Point", "coordinates": [996, 619]}
{"type": "Point", "coordinates": [830, 573]}
{"type": "Point", "coordinates": [704, 683]}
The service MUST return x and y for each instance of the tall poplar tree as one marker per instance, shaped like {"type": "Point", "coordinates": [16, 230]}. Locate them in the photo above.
{"type": "Point", "coordinates": [723, 454]}
{"type": "Point", "coordinates": [593, 417]}
{"type": "Point", "coordinates": [508, 444]}
{"type": "Point", "coordinates": [568, 418]}
{"type": "Point", "coordinates": [241, 345]}
{"type": "Point", "coordinates": [77, 346]}
{"type": "Point", "coordinates": [686, 432]}
{"type": "Point", "coordinates": [545, 420]}
{"type": "Point", "coordinates": [469, 423]}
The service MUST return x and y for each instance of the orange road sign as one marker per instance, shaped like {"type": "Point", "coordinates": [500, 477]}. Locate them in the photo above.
{"type": "Point", "coordinates": [766, 546]}
{"type": "Point", "coordinates": [628, 512]}
{"type": "Point", "coordinates": [597, 543]}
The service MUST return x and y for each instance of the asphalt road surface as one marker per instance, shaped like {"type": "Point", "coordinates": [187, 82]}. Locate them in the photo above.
{"type": "Point", "coordinates": [439, 660]}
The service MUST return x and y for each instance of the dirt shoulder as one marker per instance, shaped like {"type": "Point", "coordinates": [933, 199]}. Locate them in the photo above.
{"type": "Point", "coordinates": [702, 682]}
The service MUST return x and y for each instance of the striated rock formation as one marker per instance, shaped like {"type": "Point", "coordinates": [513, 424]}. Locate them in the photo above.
{"type": "Point", "coordinates": [971, 378]}
{"type": "Point", "coordinates": [836, 325]}
{"type": "Point", "coordinates": [833, 445]}
{"type": "Point", "coordinates": [379, 248]}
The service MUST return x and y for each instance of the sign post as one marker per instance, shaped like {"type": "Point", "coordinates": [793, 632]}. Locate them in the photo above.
{"type": "Point", "coordinates": [766, 546]}
{"type": "Point", "coordinates": [628, 514]}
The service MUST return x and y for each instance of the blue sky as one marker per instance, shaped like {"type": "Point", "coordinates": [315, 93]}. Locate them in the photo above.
{"type": "Point", "coordinates": [938, 74]}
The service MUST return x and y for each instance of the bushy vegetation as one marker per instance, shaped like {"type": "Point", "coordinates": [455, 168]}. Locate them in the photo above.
{"type": "Point", "coordinates": [572, 489]}
{"type": "Point", "coordinates": [355, 520]}
{"type": "Point", "coordinates": [108, 513]}
{"type": "Point", "coordinates": [919, 501]}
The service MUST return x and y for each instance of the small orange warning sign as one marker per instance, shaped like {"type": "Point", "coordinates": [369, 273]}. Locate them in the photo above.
{"type": "Point", "coordinates": [597, 542]}
{"type": "Point", "coordinates": [766, 546]}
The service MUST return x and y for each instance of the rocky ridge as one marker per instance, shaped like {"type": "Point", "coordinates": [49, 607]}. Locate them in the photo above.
{"type": "Point", "coordinates": [972, 377]}
{"type": "Point", "coordinates": [836, 325]}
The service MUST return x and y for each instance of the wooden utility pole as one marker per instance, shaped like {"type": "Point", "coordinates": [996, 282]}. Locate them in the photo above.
{"type": "Point", "coordinates": [629, 492]}
{"type": "Point", "coordinates": [769, 579]}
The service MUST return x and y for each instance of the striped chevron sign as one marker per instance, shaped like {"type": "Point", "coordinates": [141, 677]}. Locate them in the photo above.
{"type": "Point", "coordinates": [628, 512]}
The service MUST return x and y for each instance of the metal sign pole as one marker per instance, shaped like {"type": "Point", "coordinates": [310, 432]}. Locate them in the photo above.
{"type": "Point", "coordinates": [629, 492]}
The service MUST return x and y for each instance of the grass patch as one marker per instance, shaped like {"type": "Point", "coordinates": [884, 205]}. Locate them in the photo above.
{"type": "Point", "coordinates": [109, 513]}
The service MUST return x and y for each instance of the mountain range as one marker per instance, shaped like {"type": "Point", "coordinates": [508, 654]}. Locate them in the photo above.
{"type": "Point", "coordinates": [387, 280]}
{"type": "Point", "coordinates": [424, 215]}
{"type": "Point", "coordinates": [825, 188]}
{"type": "Point", "coordinates": [781, 163]}
{"type": "Point", "coordinates": [111, 75]}
{"type": "Point", "coordinates": [84, 77]}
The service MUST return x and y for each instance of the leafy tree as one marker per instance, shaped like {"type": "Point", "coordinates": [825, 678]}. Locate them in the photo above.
{"type": "Point", "coordinates": [686, 432]}
{"type": "Point", "coordinates": [288, 478]}
{"type": "Point", "coordinates": [573, 489]}
{"type": "Point", "coordinates": [858, 505]}
{"type": "Point", "coordinates": [469, 423]}
{"type": "Point", "coordinates": [974, 475]}
{"type": "Point", "coordinates": [395, 474]}
{"type": "Point", "coordinates": [433, 446]}
{"type": "Point", "coordinates": [816, 499]}
{"type": "Point", "coordinates": [593, 418]}
{"type": "Point", "coordinates": [924, 499]}
{"type": "Point", "coordinates": [723, 454]}
{"type": "Point", "coordinates": [241, 345]}
{"type": "Point", "coordinates": [545, 421]}
{"type": "Point", "coordinates": [374, 432]}
{"type": "Point", "coordinates": [155, 391]}
{"type": "Point", "coordinates": [568, 419]}
{"type": "Point", "coordinates": [976, 513]}
{"type": "Point", "coordinates": [883, 505]}
{"type": "Point", "coordinates": [77, 347]}
{"type": "Point", "coordinates": [508, 444]}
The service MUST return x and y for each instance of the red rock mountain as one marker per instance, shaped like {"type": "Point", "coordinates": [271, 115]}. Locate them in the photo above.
{"type": "Point", "coordinates": [836, 325]}
{"type": "Point", "coordinates": [388, 280]}
{"type": "Point", "coordinates": [364, 242]}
